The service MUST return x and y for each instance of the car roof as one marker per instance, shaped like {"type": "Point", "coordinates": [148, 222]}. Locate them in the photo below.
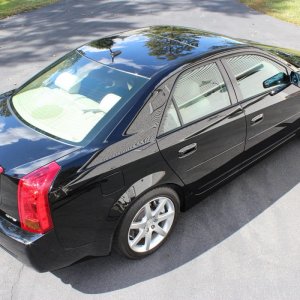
{"type": "Point", "coordinates": [148, 51]}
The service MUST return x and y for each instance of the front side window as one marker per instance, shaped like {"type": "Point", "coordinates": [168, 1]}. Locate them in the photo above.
{"type": "Point", "coordinates": [75, 97]}
{"type": "Point", "coordinates": [200, 92]}
{"type": "Point", "coordinates": [251, 71]}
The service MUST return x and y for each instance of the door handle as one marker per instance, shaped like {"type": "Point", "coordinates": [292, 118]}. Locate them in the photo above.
{"type": "Point", "coordinates": [187, 150]}
{"type": "Point", "coordinates": [257, 119]}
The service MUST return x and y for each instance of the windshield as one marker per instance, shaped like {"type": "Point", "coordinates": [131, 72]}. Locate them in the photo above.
{"type": "Point", "coordinates": [74, 97]}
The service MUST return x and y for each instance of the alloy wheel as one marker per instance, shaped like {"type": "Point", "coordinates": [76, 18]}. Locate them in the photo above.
{"type": "Point", "coordinates": [151, 224]}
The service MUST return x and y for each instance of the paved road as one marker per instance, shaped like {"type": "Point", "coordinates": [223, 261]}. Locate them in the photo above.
{"type": "Point", "coordinates": [242, 242]}
{"type": "Point", "coordinates": [31, 40]}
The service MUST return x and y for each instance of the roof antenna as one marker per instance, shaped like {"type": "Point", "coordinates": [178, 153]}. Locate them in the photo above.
{"type": "Point", "coordinates": [114, 54]}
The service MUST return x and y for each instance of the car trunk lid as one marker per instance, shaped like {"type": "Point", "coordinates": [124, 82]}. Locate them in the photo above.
{"type": "Point", "coordinates": [22, 150]}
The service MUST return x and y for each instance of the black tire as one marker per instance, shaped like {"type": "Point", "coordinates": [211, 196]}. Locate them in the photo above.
{"type": "Point", "coordinates": [122, 240]}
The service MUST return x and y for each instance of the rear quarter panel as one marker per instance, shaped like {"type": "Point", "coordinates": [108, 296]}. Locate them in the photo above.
{"type": "Point", "coordinates": [88, 208]}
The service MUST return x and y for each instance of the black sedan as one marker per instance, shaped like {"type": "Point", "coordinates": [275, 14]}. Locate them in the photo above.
{"type": "Point", "coordinates": [107, 145]}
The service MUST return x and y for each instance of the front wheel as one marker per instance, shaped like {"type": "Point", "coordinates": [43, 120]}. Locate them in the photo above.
{"type": "Point", "coordinates": [148, 222]}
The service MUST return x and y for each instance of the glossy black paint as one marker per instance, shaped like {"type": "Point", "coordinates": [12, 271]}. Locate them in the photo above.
{"type": "Point", "coordinates": [15, 137]}
{"type": "Point", "coordinates": [219, 138]}
{"type": "Point", "coordinates": [149, 50]}
{"type": "Point", "coordinates": [98, 182]}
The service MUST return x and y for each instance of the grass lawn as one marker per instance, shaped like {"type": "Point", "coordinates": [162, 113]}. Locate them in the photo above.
{"type": "Point", "coordinates": [287, 10]}
{"type": "Point", "coordinates": [12, 7]}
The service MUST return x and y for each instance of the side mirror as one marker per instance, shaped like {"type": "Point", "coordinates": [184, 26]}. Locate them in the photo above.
{"type": "Point", "coordinates": [295, 78]}
{"type": "Point", "coordinates": [278, 79]}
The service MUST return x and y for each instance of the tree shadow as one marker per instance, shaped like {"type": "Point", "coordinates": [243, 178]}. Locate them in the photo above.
{"type": "Point", "coordinates": [201, 228]}
{"type": "Point", "coordinates": [52, 30]}
{"type": "Point", "coordinates": [32, 40]}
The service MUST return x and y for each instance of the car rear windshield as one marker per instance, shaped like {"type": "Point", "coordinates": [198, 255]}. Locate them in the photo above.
{"type": "Point", "coordinates": [74, 97]}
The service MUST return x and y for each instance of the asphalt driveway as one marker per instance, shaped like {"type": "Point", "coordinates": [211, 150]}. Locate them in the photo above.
{"type": "Point", "coordinates": [242, 242]}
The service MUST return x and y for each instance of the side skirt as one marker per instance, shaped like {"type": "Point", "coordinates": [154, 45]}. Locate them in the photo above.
{"type": "Point", "coordinates": [212, 185]}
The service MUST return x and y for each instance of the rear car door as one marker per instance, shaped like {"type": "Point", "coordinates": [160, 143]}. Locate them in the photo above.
{"type": "Point", "coordinates": [203, 127]}
{"type": "Point", "coordinates": [272, 113]}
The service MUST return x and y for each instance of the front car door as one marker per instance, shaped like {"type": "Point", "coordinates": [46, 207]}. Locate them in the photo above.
{"type": "Point", "coordinates": [203, 127]}
{"type": "Point", "coordinates": [270, 116]}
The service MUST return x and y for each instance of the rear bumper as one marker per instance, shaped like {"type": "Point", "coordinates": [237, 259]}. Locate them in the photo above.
{"type": "Point", "coordinates": [15, 241]}
{"type": "Point", "coordinates": [41, 252]}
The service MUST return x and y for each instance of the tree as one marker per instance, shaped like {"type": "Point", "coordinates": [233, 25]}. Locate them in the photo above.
{"type": "Point", "coordinates": [167, 42]}
{"type": "Point", "coordinates": [4, 111]}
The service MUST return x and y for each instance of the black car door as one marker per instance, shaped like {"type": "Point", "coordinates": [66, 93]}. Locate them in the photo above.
{"type": "Point", "coordinates": [272, 113]}
{"type": "Point", "coordinates": [203, 127]}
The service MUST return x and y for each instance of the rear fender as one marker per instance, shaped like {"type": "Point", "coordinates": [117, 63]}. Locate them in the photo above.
{"type": "Point", "coordinates": [142, 186]}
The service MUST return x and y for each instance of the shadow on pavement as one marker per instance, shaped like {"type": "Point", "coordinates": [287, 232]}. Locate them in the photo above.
{"type": "Point", "coordinates": [42, 35]}
{"type": "Point", "coordinates": [204, 226]}
{"type": "Point", "coordinates": [25, 38]}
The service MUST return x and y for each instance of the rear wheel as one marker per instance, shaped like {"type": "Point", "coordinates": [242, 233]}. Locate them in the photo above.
{"type": "Point", "coordinates": [148, 222]}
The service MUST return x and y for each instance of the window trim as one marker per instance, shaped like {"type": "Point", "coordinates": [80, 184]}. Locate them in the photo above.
{"type": "Point", "coordinates": [231, 94]}
{"type": "Point", "coordinates": [233, 80]}
{"type": "Point", "coordinates": [177, 110]}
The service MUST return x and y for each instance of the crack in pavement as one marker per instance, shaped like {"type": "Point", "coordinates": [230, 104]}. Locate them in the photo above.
{"type": "Point", "coordinates": [16, 282]}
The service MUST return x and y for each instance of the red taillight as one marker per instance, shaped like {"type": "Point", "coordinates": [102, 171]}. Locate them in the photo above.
{"type": "Point", "coordinates": [33, 189]}
{"type": "Point", "coordinates": [1, 170]}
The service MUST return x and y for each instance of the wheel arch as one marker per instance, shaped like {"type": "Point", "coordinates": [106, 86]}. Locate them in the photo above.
{"type": "Point", "coordinates": [144, 185]}
{"type": "Point", "coordinates": [141, 187]}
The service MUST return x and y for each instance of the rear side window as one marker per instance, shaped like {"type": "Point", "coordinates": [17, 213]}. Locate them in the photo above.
{"type": "Point", "coordinates": [170, 120]}
{"type": "Point", "coordinates": [200, 92]}
{"type": "Point", "coordinates": [251, 71]}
